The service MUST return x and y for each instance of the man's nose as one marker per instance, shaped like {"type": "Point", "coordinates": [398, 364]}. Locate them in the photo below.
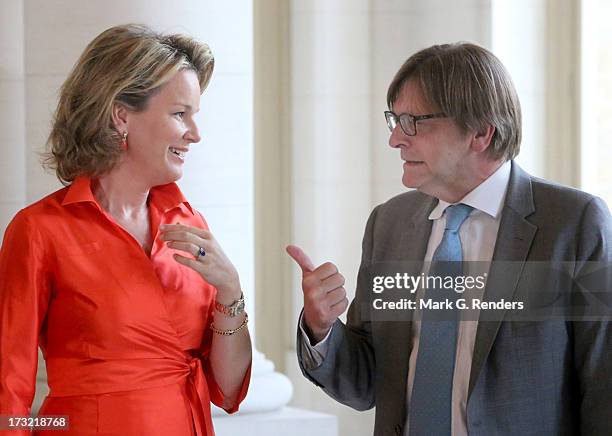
{"type": "Point", "coordinates": [397, 137]}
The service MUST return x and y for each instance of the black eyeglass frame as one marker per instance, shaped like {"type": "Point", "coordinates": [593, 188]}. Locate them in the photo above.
{"type": "Point", "coordinates": [390, 115]}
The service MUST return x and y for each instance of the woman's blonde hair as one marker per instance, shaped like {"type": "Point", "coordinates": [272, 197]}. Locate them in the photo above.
{"type": "Point", "coordinates": [125, 64]}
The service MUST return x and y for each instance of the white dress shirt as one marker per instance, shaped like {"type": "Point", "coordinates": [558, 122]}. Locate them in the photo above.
{"type": "Point", "coordinates": [478, 235]}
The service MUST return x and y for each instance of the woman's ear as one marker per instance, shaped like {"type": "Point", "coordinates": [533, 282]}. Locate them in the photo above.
{"type": "Point", "coordinates": [119, 115]}
{"type": "Point", "coordinates": [483, 137]}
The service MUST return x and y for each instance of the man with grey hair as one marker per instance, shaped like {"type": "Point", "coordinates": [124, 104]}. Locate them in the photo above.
{"type": "Point", "coordinates": [455, 119]}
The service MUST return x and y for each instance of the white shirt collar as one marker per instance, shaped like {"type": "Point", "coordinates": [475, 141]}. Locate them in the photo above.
{"type": "Point", "coordinates": [487, 197]}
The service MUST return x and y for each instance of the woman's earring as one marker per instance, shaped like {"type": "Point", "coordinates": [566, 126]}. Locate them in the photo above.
{"type": "Point", "coordinates": [124, 144]}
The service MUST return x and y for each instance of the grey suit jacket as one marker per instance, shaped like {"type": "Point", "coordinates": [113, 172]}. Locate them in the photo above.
{"type": "Point", "coordinates": [549, 377]}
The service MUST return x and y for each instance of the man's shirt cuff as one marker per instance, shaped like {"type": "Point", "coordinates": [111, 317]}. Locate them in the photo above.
{"type": "Point", "coordinates": [312, 355]}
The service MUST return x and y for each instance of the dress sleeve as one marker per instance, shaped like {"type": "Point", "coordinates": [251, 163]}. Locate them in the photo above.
{"type": "Point", "coordinates": [24, 297]}
{"type": "Point", "coordinates": [216, 395]}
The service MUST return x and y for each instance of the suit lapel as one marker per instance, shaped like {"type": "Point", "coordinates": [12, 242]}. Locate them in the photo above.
{"type": "Point", "coordinates": [514, 240]}
{"type": "Point", "coordinates": [415, 239]}
{"type": "Point", "coordinates": [411, 247]}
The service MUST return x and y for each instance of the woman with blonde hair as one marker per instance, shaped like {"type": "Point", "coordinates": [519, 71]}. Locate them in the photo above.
{"type": "Point", "coordinates": [138, 312]}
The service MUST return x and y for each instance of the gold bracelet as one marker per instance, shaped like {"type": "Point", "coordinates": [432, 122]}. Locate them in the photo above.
{"type": "Point", "coordinates": [230, 331]}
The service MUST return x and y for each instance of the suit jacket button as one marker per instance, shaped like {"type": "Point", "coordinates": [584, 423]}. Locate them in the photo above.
{"type": "Point", "coordinates": [398, 429]}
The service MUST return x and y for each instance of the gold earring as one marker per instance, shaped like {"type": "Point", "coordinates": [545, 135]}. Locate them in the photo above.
{"type": "Point", "coordinates": [125, 140]}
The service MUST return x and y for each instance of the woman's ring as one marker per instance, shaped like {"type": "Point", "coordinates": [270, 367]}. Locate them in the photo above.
{"type": "Point", "coordinates": [200, 253]}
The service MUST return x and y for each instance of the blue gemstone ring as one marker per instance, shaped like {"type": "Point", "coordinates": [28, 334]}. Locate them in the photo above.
{"type": "Point", "coordinates": [200, 253]}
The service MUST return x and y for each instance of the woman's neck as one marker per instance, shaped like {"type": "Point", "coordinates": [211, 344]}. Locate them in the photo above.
{"type": "Point", "coordinates": [121, 195]}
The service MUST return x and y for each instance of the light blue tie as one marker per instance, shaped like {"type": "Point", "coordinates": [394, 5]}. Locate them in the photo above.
{"type": "Point", "coordinates": [430, 403]}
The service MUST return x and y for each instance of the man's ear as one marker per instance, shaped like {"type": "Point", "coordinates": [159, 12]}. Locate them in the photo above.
{"type": "Point", "coordinates": [119, 115]}
{"type": "Point", "coordinates": [482, 138]}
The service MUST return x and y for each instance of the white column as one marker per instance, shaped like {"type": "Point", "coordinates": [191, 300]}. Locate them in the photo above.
{"type": "Point", "coordinates": [12, 104]}
{"type": "Point", "coordinates": [400, 29]}
{"type": "Point", "coordinates": [330, 95]}
{"type": "Point", "coordinates": [219, 173]}
{"type": "Point", "coordinates": [330, 159]}
{"type": "Point", "coordinates": [519, 39]}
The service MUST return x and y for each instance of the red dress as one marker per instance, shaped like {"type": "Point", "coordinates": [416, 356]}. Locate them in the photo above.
{"type": "Point", "coordinates": [125, 337]}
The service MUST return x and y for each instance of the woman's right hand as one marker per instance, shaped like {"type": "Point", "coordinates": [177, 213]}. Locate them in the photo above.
{"type": "Point", "coordinates": [214, 266]}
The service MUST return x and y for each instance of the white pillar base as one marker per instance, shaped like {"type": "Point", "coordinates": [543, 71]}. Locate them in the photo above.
{"type": "Point", "coordinates": [286, 421]}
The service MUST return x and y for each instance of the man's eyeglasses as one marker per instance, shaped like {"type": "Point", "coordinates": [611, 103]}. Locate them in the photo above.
{"type": "Point", "coordinates": [408, 121]}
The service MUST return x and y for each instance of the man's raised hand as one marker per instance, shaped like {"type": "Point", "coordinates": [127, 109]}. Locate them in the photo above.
{"type": "Point", "coordinates": [324, 294]}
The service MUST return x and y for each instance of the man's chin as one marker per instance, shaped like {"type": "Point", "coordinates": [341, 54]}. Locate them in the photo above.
{"type": "Point", "coordinates": [420, 186]}
{"type": "Point", "coordinates": [410, 182]}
